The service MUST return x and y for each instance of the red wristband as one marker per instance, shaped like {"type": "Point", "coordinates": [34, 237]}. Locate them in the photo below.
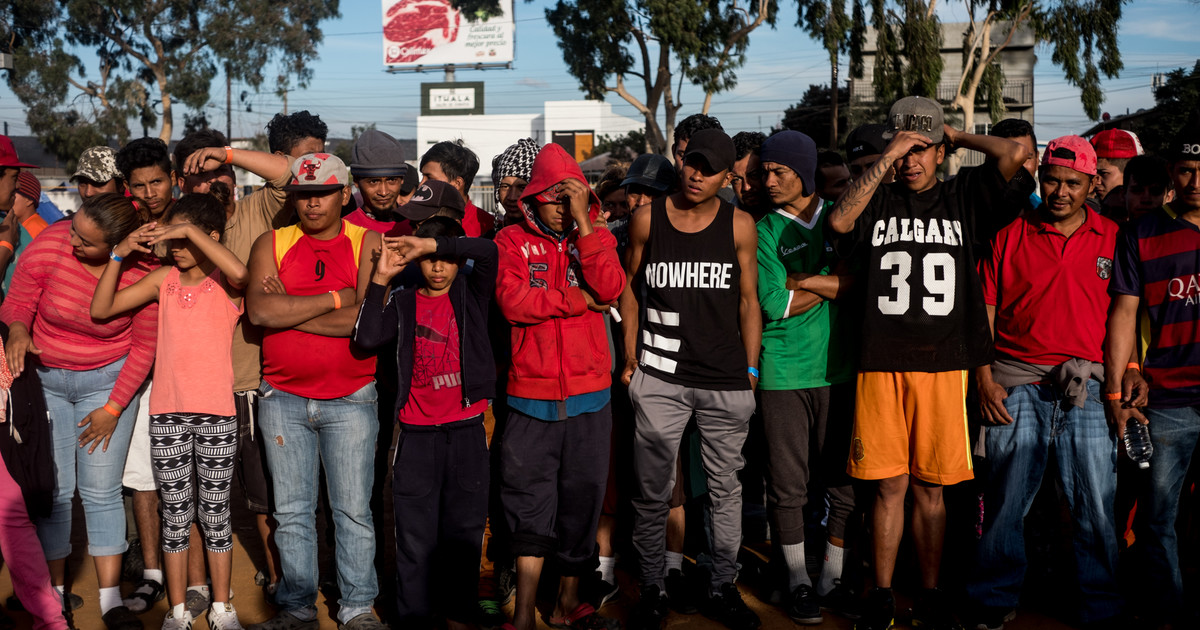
{"type": "Point", "coordinates": [229, 155]}
{"type": "Point", "coordinates": [1112, 396]}
{"type": "Point", "coordinates": [337, 300]}
{"type": "Point", "coordinates": [1134, 366]}
{"type": "Point", "coordinates": [108, 406]}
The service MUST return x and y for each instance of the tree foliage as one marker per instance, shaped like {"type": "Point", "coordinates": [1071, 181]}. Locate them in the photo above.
{"type": "Point", "coordinates": [151, 55]}
{"type": "Point", "coordinates": [1177, 106]}
{"type": "Point", "coordinates": [623, 147]}
{"type": "Point", "coordinates": [1082, 35]}
{"type": "Point", "coordinates": [638, 48]}
{"type": "Point", "coordinates": [812, 115]}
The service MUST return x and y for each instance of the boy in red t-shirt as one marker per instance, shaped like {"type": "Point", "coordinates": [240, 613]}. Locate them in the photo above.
{"type": "Point", "coordinates": [446, 377]}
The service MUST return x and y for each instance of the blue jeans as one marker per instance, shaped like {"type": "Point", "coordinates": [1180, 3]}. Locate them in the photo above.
{"type": "Point", "coordinates": [70, 396]}
{"type": "Point", "coordinates": [302, 434]}
{"type": "Point", "coordinates": [1174, 434]}
{"type": "Point", "coordinates": [1086, 453]}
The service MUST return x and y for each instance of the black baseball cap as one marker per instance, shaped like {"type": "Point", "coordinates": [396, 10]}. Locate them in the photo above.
{"type": "Point", "coordinates": [428, 198]}
{"type": "Point", "coordinates": [653, 171]}
{"type": "Point", "coordinates": [865, 140]}
{"type": "Point", "coordinates": [715, 146]}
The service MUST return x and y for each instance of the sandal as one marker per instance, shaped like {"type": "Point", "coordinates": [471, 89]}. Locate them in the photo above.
{"type": "Point", "coordinates": [144, 596]}
{"type": "Point", "coordinates": [584, 617]}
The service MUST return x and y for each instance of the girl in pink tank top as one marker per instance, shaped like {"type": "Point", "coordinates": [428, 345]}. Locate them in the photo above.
{"type": "Point", "coordinates": [193, 423]}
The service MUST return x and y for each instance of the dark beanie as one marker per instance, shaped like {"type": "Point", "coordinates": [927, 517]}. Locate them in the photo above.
{"type": "Point", "coordinates": [795, 151]}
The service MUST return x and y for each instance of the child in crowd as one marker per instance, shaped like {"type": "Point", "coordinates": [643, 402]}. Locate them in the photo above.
{"type": "Point", "coordinates": [446, 376]}
{"type": "Point", "coordinates": [193, 420]}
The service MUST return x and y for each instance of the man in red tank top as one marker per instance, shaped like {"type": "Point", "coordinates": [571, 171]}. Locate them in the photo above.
{"type": "Point", "coordinates": [318, 396]}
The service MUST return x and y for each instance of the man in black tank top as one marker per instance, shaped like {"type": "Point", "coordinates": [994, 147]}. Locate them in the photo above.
{"type": "Point", "coordinates": [693, 331]}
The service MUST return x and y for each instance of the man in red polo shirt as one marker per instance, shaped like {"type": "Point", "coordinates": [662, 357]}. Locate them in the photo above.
{"type": "Point", "coordinates": [1046, 290]}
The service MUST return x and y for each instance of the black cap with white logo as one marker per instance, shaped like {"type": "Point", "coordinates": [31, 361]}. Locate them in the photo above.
{"type": "Point", "coordinates": [429, 198]}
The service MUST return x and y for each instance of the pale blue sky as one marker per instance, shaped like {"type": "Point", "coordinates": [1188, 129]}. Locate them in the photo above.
{"type": "Point", "coordinates": [350, 86]}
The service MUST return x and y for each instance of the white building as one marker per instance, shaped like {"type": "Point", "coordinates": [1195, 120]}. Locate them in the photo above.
{"type": "Point", "coordinates": [576, 125]}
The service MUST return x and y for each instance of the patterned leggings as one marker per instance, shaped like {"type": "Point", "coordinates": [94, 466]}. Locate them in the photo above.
{"type": "Point", "coordinates": [179, 443]}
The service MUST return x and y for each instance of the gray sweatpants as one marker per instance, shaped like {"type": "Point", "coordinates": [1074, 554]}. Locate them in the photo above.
{"type": "Point", "coordinates": [723, 418]}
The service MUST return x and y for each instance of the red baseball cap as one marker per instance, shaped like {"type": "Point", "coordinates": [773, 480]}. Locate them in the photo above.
{"type": "Point", "coordinates": [8, 155]}
{"type": "Point", "coordinates": [1117, 143]}
{"type": "Point", "coordinates": [1072, 152]}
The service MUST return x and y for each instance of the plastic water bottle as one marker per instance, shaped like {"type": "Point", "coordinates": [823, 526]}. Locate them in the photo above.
{"type": "Point", "coordinates": [1137, 443]}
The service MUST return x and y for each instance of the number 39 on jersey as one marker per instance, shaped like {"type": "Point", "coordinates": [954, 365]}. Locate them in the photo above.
{"type": "Point", "coordinates": [934, 272]}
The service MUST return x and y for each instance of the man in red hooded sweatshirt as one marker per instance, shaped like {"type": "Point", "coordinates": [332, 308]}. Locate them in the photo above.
{"type": "Point", "coordinates": [558, 271]}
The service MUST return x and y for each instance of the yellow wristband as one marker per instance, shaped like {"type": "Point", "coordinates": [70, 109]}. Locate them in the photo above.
{"type": "Point", "coordinates": [110, 408]}
{"type": "Point", "coordinates": [229, 155]}
{"type": "Point", "coordinates": [1112, 396]}
{"type": "Point", "coordinates": [337, 300]}
{"type": "Point", "coordinates": [1134, 366]}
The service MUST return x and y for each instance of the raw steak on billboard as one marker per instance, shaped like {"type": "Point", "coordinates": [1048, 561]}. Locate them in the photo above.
{"type": "Point", "coordinates": [412, 28]}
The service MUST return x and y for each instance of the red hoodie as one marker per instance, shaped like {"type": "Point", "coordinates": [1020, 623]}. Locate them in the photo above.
{"type": "Point", "coordinates": [560, 347]}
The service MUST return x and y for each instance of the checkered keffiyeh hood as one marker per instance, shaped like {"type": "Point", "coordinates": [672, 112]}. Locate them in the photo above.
{"type": "Point", "coordinates": [516, 161]}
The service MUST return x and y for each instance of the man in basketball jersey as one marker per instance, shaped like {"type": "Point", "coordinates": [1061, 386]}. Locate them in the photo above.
{"type": "Point", "coordinates": [318, 396]}
{"type": "Point", "coordinates": [693, 331]}
{"type": "Point", "coordinates": [924, 325]}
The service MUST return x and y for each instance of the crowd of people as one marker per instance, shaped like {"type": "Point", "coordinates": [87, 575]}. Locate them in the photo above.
{"type": "Point", "coordinates": [603, 367]}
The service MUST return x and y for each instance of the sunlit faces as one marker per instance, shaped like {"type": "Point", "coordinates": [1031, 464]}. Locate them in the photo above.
{"type": "Point", "coordinates": [379, 193]}
{"type": "Point", "coordinates": [747, 180]}
{"type": "Point", "coordinates": [320, 211]}
{"type": "Point", "coordinates": [439, 274]}
{"type": "Point", "coordinates": [699, 181]}
{"type": "Point", "coordinates": [614, 203]}
{"type": "Point", "coordinates": [1185, 176]}
{"type": "Point", "coordinates": [433, 170]}
{"type": "Point", "coordinates": [511, 188]}
{"type": "Point", "coordinates": [783, 185]}
{"type": "Point", "coordinates": [835, 179]}
{"type": "Point", "coordinates": [917, 169]}
{"type": "Point", "coordinates": [87, 239]}
{"type": "Point", "coordinates": [306, 146]}
{"type": "Point", "coordinates": [1109, 176]}
{"type": "Point", "coordinates": [151, 186]}
{"type": "Point", "coordinates": [1064, 190]}
{"type": "Point", "coordinates": [8, 187]}
{"type": "Point", "coordinates": [202, 182]}
{"type": "Point", "coordinates": [637, 196]}
{"type": "Point", "coordinates": [88, 188]}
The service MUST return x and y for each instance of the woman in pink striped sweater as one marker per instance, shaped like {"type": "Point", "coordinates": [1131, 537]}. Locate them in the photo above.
{"type": "Point", "coordinates": [90, 371]}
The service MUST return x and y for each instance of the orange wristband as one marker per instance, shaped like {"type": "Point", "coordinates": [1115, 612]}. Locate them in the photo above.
{"type": "Point", "coordinates": [337, 300]}
{"type": "Point", "coordinates": [1134, 366]}
{"type": "Point", "coordinates": [229, 155]}
{"type": "Point", "coordinates": [1112, 396]}
{"type": "Point", "coordinates": [108, 406]}
{"type": "Point", "coordinates": [7, 245]}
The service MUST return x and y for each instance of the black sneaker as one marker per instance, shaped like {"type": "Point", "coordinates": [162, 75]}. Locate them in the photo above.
{"type": "Point", "coordinates": [596, 591]}
{"type": "Point", "coordinates": [728, 608]}
{"type": "Point", "coordinates": [803, 607]}
{"type": "Point", "coordinates": [681, 593]}
{"type": "Point", "coordinates": [843, 600]}
{"type": "Point", "coordinates": [932, 610]}
{"type": "Point", "coordinates": [992, 618]}
{"type": "Point", "coordinates": [650, 611]}
{"type": "Point", "coordinates": [878, 611]}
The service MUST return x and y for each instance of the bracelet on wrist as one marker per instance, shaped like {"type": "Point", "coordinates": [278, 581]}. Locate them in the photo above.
{"type": "Point", "coordinates": [1112, 396]}
{"type": "Point", "coordinates": [113, 255]}
{"type": "Point", "coordinates": [229, 155]}
{"type": "Point", "coordinates": [752, 371]}
{"type": "Point", "coordinates": [337, 300]}
{"type": "Point", "coordinates": [110, 408]}
{"type": "Point", "coordinates": [1134, 366]}
{"type": "Point", "coordinates": [8, 246]}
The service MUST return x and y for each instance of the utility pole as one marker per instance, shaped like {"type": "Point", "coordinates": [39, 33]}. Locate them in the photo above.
{"type": "Point", "coordinates": [228, 105]}
{"type": "Point", "coordinates": [833, 107]}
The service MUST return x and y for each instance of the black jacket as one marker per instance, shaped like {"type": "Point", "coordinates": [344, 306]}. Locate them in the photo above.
{"type": "Point", "coordinates": [380, 322]}
{"type": "Point", "coordinates": [25, 440]}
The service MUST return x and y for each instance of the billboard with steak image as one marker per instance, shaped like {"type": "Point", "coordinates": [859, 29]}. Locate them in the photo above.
{"type": "Point", "coordinates": [431, 32]}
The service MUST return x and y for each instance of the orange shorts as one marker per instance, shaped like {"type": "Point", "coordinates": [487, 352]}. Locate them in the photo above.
{"type": "Point", "coordinates": [911, 423]}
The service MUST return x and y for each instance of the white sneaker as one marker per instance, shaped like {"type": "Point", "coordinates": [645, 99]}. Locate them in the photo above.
{"type": "Point", "coordinates": [170, 622]}
{"type": "Point", "coordinates": [222, 616]}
